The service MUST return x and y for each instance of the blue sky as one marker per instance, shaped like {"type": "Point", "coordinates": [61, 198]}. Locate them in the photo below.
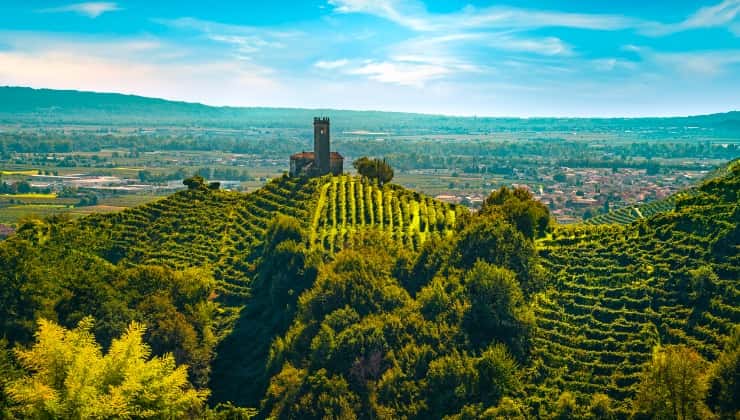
{"type": "Point", "coordinates": [510, 58]}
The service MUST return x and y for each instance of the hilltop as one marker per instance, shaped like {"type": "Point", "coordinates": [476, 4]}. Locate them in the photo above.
{"type": "Point", "coordinates": [48, 106]}
{"type": "Point", "coordinates": [333, 296]}
{"type": "Point", "coordinates": [220, 228]}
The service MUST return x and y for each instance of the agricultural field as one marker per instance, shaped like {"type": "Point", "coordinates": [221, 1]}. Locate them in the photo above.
{"type": "Point", "coordinates": [15, 207]}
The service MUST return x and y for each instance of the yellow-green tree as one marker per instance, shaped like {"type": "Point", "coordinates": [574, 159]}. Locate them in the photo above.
{"type": "Point", "coordinates": [673, 385]}
{"type": "Point", "coordinates": [68, 376]}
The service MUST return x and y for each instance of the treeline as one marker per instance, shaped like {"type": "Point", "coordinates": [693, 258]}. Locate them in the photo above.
{"type": "Point", "coordinates": [89, 141]}
{"type": "Point", "coordinates": [20, 187]}
{"type": "Point", "coordinates": [205, 172]}
{"type": "Point", "coordinates": [423, 151]}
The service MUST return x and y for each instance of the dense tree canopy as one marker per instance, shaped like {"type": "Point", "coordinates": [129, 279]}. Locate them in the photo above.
{"type": "Point", "coordinates": [519, 207]}
{"type": "Point", "coordinates": [374, 169]}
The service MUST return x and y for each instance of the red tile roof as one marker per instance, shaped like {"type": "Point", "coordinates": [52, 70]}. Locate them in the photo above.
{"type": "Point", "coordinates": [302, 155]}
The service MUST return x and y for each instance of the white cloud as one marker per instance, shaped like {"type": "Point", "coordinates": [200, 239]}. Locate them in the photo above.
{"type": "Point", "coordinates": [549, 46]}
{"type": "Point", "coordinates": [331, 65]}
{"type": "Point", "coordinates": [612, 64]}
{"type": "Point", "coordinates": [412, 14]}
{"type": "Point", "coordinates": [136, 66]}
{"type": "Point", "coordinates": [713, 15]}
{"type": "Point", "coordinates": [246, 42]}
{"type": "Point", "coordinates": [721, 14]}
{"type": "Point", "coordinates": [140, 47]}
{"type": "Point", "coordinates": [510, 17]}
{"type": "Point", "coordinates": [707, 63]}
{"type": "Point", "coordinates": [401, 73]}
{"type": "Point", "coordinates": [211, 27]}
{"type": "Point", "coordinates": [412, 70]}
{"type": "Point", "coordinates": [89, 9]}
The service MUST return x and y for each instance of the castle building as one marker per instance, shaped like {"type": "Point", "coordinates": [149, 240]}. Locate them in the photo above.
{"type": "Point", "coordinates": [322, 160]}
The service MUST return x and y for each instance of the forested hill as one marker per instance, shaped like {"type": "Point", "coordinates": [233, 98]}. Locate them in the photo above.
{"type": "Point", "coordinates": [335, 297]}
{"type": "Point", "coordinates": [20, 104]}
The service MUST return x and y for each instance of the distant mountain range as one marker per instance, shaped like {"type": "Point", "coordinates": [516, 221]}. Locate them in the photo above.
{"type": "Point", "coordinates": [48, 106]}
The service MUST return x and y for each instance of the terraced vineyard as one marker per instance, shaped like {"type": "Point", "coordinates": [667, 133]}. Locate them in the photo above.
{"type": "Point", "coordinates": [629, 214]}
{"type": "Point", "coordinates": [345, 206]}
{"type": "Point", "coordinates": [619, 290]}
{"type": "Point", "coordinates": [220, 229]}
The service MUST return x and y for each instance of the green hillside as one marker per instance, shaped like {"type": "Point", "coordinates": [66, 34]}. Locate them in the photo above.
{"type": "Point", "coordinates": [629, 214]}
{"type": "Point", "coordinates": [335, 297]}
{"type": "Point", "coordinates": [219, 228]}
{"type": "Point", "coordinates": [619, 290]}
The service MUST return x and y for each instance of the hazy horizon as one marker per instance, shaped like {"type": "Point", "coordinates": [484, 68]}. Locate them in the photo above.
{"type": "Point", "coordinates": [457, 58]}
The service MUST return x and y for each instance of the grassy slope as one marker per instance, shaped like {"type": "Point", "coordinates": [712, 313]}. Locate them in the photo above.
{"type": "Point", "coordinates": [619, 290]}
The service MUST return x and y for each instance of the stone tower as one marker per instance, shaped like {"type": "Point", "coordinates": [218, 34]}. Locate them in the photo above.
{"type": "Point", "coordinates": [321, 145]}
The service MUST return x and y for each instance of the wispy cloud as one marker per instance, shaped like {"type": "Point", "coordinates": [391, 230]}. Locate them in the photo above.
{"type": "Point", "coordinates": [246, 41]}
{"type": "Point", "coordinates": [550, 46]}
{"type": "Point", "coordinates": [331, 65]}
{"type": "Point", "coordinates": [451, 44]}
{"type": "Point", "coordinates": [410, 14]}
{"type": "Point", "coordinates": [722, 14]}
{"type": "Point", "coordinates": [404, 73]}
{"type": "Point", "coordinates": [145, 66]}
{"type": "Point", "coordinates": [412, 70]}
{"type": "Point", "coordinates": [89, 9]}
{"type": "Point", "coordinates": [211, 27]}
{"type": "Point", "coordinates": [413, 15]}
{"type": "Point", "coordinates": [705, 63]}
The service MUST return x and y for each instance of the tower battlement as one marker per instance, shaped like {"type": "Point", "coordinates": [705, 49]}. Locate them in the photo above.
{"type": "Point", "coordinates": [322, 160]}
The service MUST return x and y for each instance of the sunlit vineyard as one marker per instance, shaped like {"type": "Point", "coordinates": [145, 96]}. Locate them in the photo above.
{"type": "Point", "coordinates": [346, 205]}
{"type": "Point", "coordinates": [220, 229]}
{"type": "Point", "coordinates": [628, 214]}
{"type": "Point", "coordinates": [619, 290]}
